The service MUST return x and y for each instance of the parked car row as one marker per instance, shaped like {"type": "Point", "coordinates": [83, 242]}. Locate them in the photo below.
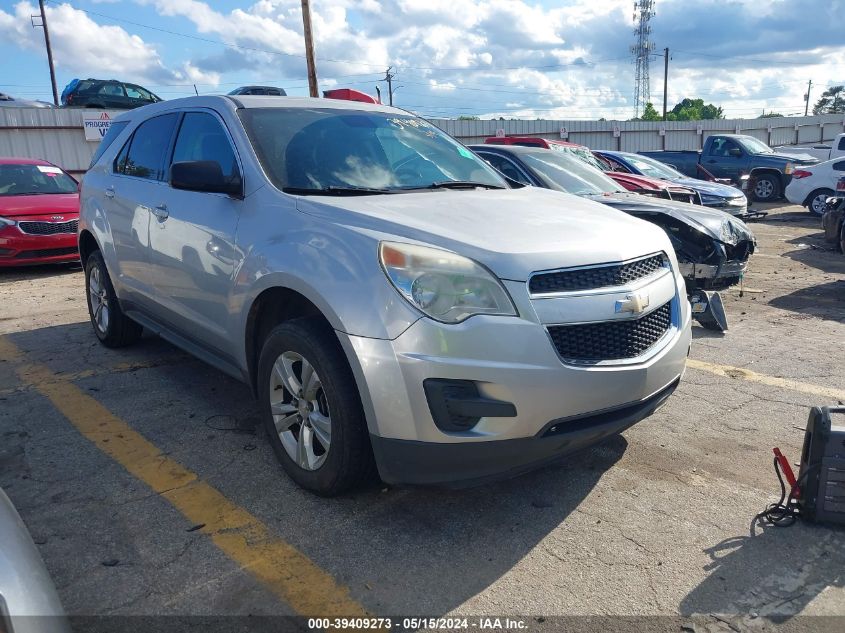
{"type": "Point", "coordinates": [732, 156]}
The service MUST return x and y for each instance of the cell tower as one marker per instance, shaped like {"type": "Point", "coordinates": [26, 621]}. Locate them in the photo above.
{"type": "Point", "coordinates": [643, 12]}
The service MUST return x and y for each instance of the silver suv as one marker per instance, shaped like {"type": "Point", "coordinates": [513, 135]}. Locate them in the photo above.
{"type": "Point", "coordinates": [391, 301]}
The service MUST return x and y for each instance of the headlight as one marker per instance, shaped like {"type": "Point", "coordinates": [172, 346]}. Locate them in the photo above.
{"type": "Point", "coordinates": [707, 198]}
{"type": "Point", "coordinates": [788, 169]}
{"type": "Point", "coordinates": [729, 234]}
{"type": "Point", "coordinates": [443, 285]}
{"type": "Point", "coordinates": [4, 222]}
{"type": "Point", "coordinates": [739, 201]}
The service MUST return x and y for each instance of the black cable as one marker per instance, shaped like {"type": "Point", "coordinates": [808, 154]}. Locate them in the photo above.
{"type": "Point", "coordinates": [785, 511]}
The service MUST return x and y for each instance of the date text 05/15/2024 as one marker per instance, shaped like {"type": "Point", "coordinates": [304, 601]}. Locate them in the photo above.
{"type": "Point", "coordinates": [415, 623]}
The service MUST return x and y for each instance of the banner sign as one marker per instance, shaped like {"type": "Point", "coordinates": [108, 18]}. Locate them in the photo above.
{"type": "Point", "coordinates": [96, 125]}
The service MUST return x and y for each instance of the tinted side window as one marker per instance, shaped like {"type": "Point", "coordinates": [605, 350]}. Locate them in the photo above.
{"type": "Point", "coordinates": [840, 166]}
{"type": "Point", "coordinates": [114, 131]}
{"type": "Point", "coordinates": [148, 148]}
{"type": "Point", "coordinates": [506, 167]}
{"type": "Point", "coordinates": [202, 137]}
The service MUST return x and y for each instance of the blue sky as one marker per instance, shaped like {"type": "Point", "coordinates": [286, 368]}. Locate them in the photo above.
{"type": "Point", "coordinates": [566, 59]}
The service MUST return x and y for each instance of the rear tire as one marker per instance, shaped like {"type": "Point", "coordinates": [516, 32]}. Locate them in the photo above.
{"type": "Point", "coordinates": [842, 238]}
{"type": "Point", "coordinates": [816, 200]}
{"type": "Point", "coordinates": [112, 327]}
{"type": "Point", "coordinates": [766, 188]}
{"type": "Point", "coordinates": [311, 408]}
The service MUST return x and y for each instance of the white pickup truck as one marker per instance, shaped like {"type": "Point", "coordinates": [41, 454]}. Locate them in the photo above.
{"type": "Point", "coordinates": [822, 151]}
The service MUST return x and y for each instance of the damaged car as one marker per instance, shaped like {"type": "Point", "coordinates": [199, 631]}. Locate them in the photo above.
{"type": "Point", "coordinates": [713, 247]}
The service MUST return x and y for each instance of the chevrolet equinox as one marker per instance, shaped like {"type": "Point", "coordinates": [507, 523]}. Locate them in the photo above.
{"type": "Point", "coordinates": [392, 302]}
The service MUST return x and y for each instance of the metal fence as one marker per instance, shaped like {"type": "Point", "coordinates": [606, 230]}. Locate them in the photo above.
{"type": "Point", "coordinates": [57, 135]}
{"type": "Point", "coordinates": [635, 136]}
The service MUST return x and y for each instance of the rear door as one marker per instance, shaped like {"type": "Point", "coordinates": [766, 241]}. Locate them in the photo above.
{"type": "Point", "coordinates": [192, 248]}
{"type": "Point", "coordinates": [132, 193]}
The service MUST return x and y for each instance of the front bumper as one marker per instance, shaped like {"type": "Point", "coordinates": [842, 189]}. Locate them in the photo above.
{"type": "Point", "coordinates": [21, 249]}
{"type": "Point", "coordinates": [729, 269]}
{"type": "Point", "coordinates": [510, 360]}
{"type": "Point", "coordinates": [473, 463]}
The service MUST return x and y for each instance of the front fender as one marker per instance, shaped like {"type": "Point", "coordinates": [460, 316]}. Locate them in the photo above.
{"type": "Point", "coordinates": [333, 266]}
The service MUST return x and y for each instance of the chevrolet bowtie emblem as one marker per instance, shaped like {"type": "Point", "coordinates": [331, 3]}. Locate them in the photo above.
{"type": "Point", "coordinates": [635, 303]}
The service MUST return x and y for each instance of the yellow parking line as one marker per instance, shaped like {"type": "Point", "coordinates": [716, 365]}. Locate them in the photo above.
{"type": "Point", "coordinates": [289, 573]}
{"type": "Point", "coordinates": [773, 381]}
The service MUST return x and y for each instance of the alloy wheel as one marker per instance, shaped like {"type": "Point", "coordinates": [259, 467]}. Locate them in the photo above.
{"type": "Point", "coordinates": [300, 410]}
{"type": "Point", "coordinates": [817, 203]}
{"type": "Point", "coordinates": [764, 189]}
{"type": "Point", "coordinates": [98, 296]}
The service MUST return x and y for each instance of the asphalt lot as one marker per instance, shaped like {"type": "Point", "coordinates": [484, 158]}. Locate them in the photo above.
{"type": "Point", "coordinates": [114, 458]}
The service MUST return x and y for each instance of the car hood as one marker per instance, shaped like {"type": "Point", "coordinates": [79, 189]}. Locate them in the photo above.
{"type": "Point", "coordinates": [709, 188]}
{"type": "Point", "coordinates": [642, 182]}
{"type": "Point", "coordinates": [717, 224]}
{"type": "Point", "coordinates": [60, 203]}
{"type": "Point", "coordinates": [514, 232]}
{"type": "Point", "coordinates": [803, 159]}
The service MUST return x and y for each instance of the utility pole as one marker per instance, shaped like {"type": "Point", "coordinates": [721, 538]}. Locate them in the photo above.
{"type": "Point", "coordinates": [49, 50]}
{"type": "Point", "coordinates": [807, 97]}
{"type": "Point", "coordinates": [309, 49]}
{"type": "Point", "coordinates": [665, 78]}
{"type": "Point", "coordinates": [389, 77]}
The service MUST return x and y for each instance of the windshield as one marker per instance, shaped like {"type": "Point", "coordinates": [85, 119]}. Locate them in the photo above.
{"type": "Point", "coordinates": [583, 154]}
{"type": "Point", "coordinates": [653, 168]}
{"type": "Point", "coordinates": [27, 180]}
{"type": "Point", "coordinates": [323, 149]}
{"type": "Point", "coordinates": [753, 146]}
{"type": "Point", "coordinates": [564, 172]}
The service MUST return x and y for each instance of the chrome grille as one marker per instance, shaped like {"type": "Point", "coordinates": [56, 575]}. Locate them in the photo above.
{"type": "Point", "coordinates": [611, 340]}
{"type": "Point", "coordinates": [594, 277]}
{"type": "Point", "coordinates": [48, 228]}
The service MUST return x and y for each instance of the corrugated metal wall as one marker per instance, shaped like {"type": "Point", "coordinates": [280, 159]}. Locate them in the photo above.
{"type": "Point", "coordinates": [57, 135]}
{"type": "Point", "coordinates": [54, 134]}
{"type": "Point", "coordinates": [635, 136]}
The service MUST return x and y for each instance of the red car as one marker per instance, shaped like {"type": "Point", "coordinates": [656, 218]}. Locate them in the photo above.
{"type": "Point", "coordinates": [39, 213]}
{"type": "Point", "coordinates": [631, 182]}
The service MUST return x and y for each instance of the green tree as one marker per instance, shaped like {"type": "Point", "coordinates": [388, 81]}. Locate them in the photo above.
{"type": "Point", "coordinates": [832, 101]}
{"type": "Point", "coordinates": [769, 115]}
{"type": "Point", "coordinates": [694, 110]}
{"type": "Point", "coordinates": [686, 110]}
{"type": "Point", "coordinates": [465, 117]}
{"type": "Point", "coordinates": [650, 114]}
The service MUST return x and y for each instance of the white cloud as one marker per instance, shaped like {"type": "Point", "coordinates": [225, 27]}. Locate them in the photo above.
{"type": "Point", "coordinates": [82, 46]}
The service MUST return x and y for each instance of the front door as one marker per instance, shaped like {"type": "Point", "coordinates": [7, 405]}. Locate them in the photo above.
{"type": "Point", "coordinates": [726, 159]}
{"type": "Point", "coordinates": [192, 251]}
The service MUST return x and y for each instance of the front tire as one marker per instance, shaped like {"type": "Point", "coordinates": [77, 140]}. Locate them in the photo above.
{"type": "Point", "coordinates": [817, 199]}
{"type": "Point", "coordinates": [767, 188]}
{"type": "Point", "coordinates": [112, 327]}
{"type": "Point", "coordinates": [311, 408]}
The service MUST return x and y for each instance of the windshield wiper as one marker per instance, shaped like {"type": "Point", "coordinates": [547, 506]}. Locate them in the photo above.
{"type": "Point", "coordinates": [459, 184]}
{"type": "Point", "coordinates": [337, 191]}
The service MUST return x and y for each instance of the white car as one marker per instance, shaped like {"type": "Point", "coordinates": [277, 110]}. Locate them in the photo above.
{"type": "Point", "coordinates": [820, 151]}
{"type": "Point", "coordinates": [812, 185]}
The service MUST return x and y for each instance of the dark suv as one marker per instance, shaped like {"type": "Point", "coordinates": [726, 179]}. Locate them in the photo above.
{"type": "Point", "coordinates": [106, 94]}
{"type": "Point", "coordinates": [270, 91]}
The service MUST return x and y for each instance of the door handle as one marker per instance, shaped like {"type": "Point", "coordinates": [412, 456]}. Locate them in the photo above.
{"type": "Point", "coordinates": [161, 212]}
{"type": "Point", "coordinates": [712, 160]}
{"type": "Point", "coordinates": [109, 192]}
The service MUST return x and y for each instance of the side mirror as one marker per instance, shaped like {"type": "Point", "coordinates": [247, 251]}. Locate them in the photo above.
{"type": "Point", "coordinates": [204, 175]}
{"type": "Point", "coordinates": [735, 151]}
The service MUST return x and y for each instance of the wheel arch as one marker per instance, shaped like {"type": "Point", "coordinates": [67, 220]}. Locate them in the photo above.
{"type": "Point", "coordinates": [813, 193]}
{"type": "Point", "coordinates": [271, 307]}
{"type": "Point", "coordinates": [87, 245]}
